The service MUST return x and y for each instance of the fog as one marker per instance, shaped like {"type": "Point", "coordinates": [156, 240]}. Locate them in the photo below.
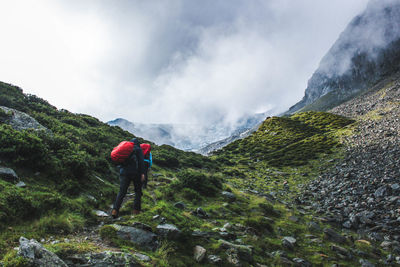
{"type": "Point", "coordinates": [189, 62]}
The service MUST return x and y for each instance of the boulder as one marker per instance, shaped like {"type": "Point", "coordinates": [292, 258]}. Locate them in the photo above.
{"type": "Point", "coordinates": [8, 175]}
{"type": "Point", "coordinates": [180, 205]}
{"type": "Point", "coordinates": [199, 253]}
{"type": "Point", "coordinates": [37, 255]}
{"type": "Point", "coordinates": [289, 242]}
{"type": "Point", "coordinates": [22, 121]}
{"type": "Point", "coordinates": [333, 236]}
{"type": "Point", "coordinates": [228, 196]}
{"type": "Point", "coordinates": [169, 231]}
{"type": "Point", "coordinates": [142, 238]}
{"type": "Point", "coordinates": [21, 185]}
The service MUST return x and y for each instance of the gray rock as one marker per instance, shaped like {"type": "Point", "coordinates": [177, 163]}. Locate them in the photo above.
{"type": "Point", "coordinates": [214, 259]}
{"type": "Point", "coordinates": [301, 262]}
{"type": "Point", "coordinates": [22, 121]}
{"type": "Point", "coordinates": [143, 238]}
{"type": "Point", "coordinates": [21, 185]}
{"type": "Point", "coordinates": [233, 257]}
{"type": "Point", "coordinates": [37, 255]}
{"type": "Point", "coordinates": [199, 212]}
{"type": "Point", "coordinates": [169, 231]}
{"type": "Point", "coordinates": [228, 196]}
{"type": "Point", "coordinates": [141, 257]}
{"type": "Point", "coordinates": [333, 236]}
{"type": "Point", "coordinates": [104, 259]}
{"type": "Point", "coordinates": [381, 191]}
{"type": "Point", "coordinates": [342, 251]}
{"type": "Point", "coordinates": [289, 242]}
{"type": "Point", "coordinates": [180, 205]}
{"type": "Point", "coordinates": [395, 187]}
{"type": "Point", "coordinates": [8, 175]}
{"type": "Point", "coordinates": [365, 263]}
{"type": "Point", "coordinates": [100, 213]}
{"type": "Point", "coordinates": [199, 253]}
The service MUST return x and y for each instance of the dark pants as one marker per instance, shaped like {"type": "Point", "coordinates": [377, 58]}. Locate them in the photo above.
{"type": "Point", "coordinates": [124, 181]}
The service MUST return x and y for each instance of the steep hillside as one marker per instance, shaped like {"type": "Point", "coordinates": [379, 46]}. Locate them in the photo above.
{"type": "Point", "coordinates": [244, 206]}
{"type": "Point", "coordinates": [367, 51]}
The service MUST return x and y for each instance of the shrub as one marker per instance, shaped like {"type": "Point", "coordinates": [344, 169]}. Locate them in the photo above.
{"type": "Point", "coordinates": [207, 185]}
{"type": "Point", "coordinates": [63, 223]}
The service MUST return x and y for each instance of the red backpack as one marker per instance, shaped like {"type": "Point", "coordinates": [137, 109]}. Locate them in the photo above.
{"type": "Point", "coordinates": [121, 152]}
{"type": "Point", "coordinates": [146, 148]}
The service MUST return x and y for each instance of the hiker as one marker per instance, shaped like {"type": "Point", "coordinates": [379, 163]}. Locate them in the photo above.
{"type": "Point", "coordinates": [132, 169]}
{"type": "Point", "coordinates": [148, 161]}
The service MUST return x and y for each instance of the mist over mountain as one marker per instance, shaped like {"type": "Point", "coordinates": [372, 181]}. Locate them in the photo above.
{"type": "Point", "coordinates": [190, 137]}
{"type": "Point", "coordinates": [366, 51]}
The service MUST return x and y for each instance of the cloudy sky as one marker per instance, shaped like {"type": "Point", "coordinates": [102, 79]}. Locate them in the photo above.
{"type": "Point", "coordinates": [178, 61]}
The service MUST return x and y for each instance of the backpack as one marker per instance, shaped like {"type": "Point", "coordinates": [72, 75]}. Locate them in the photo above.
{"type": "Point", "coordinates": [122, 152]}
{"type": "Point", "coordinates": [146, 149]}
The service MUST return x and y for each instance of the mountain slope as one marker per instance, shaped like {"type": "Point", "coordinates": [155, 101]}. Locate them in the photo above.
{"type": "Point", "coordinates": [237, 206]}
{"type": "Point", "coordinates": [367, 51]}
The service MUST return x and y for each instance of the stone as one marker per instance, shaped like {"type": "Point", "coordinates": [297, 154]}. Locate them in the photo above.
{"type": "Point", "coordinates": [342, 251]}
{"type": "Point", "coordinates": [21, 121]}
{"type": "Point", "coordinates": [21, 184]}
{"type": "Point", "coordinates": [294, 219]}
{"type": "Point", "coordinates": [365, 263]}
{"type": "Point", "coordinates": [199, 212]}
{"type": "Point", "coordinates": [104, 259]}
{"type": "Point", "coordinates": [381, 191]}
{"type": "Point", "coordinates": [169, 231]}
{"type": "Point", "coordinates": [314, 227]}
{"type": "Point", "coordinates": [141, 257]}
{"type": "Point", "coordinates": [199, 253]}
{"type": "Point", "coordinates": [289, 242]}
{"type": "Point", "coordinates": [301, 262]}
{"type": "Point", "coordinates": [37, 255]}
{"type": "Point", "coordinates": [228, 196]}
{"type": "Point", "coordinates": [8, 175]}
{"type": "Point", "coordinates": [180, 205]}
{"type": "Point", "coordinates": [395, 187]}
{"type": "Point", "coordinates": [100, 213]}
{"type": "Point", "coordinates": [243, 252]}
{"type": "Point", "coordinates": [214, 259]}
{"type": "Point", "coordinates": [331, 235]}
{"type": "Point", "coordinates": [140, 237]}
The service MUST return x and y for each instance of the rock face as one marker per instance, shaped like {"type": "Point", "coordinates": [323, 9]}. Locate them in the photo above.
{"type": "Point", "coordinates": [367, 51]}
{"type": "Point", "coordinates": [22, 121]}
{"type": "Point", "coordinates": [37, 255]}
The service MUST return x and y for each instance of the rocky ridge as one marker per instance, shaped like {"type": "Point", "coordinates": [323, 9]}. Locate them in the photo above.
{"type": "Point", "coordinates": [362, 191]}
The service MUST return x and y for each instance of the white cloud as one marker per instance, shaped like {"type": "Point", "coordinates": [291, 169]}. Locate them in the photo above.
{"type": "Point", "coordinates": [168, 61]}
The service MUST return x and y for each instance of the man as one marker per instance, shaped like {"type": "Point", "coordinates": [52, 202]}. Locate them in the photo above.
{"type": "Point", "coordinates": [131, 170]}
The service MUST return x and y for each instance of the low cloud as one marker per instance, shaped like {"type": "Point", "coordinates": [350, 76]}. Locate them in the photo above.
{"type": "Point", "coordinates": [192, 62]}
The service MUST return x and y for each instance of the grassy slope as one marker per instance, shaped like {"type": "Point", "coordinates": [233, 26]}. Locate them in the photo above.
{"type": "Point", "coordinates": [61, 171]}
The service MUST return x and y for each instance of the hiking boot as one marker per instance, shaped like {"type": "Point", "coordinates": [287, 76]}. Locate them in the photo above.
{"type": "Point", "coordinates": [136, 212]}
{"type": "Point", "coordinates": [114, 213]}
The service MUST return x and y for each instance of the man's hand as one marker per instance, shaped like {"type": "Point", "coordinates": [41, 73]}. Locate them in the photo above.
{"type": "Point", "coordinates": [142, 178]}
